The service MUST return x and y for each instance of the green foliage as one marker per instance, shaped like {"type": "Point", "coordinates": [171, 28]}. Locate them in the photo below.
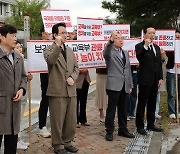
{"type": "Point", "coordinates": [142, 13]}
{"type": "Point", "coordinates": [30, 7]}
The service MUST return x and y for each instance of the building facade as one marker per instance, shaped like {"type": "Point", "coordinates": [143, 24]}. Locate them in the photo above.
{"type": "Point", "coordinates": [5, 9]}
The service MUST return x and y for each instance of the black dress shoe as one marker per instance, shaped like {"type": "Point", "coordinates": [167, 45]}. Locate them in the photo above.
{"type": "Point", "coordinates": [61, 151]}
{"type": "Point", "coordinates": [71, 149]}
{"type": "Point", "coordinates": [154, 128]}
{"type": "Point", "coordinates": [126, 134]}
{"type": "Point", "coordinates": [109, 137]}
{"type": "Point", "coordinates": [142, 131]}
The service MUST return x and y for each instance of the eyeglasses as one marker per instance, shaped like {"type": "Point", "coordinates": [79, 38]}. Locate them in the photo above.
{"type": "Point", "coordinates": [120, 38]}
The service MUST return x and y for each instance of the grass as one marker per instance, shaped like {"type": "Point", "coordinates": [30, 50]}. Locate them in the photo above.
{"type": "Point", "coordinates": [166, 122]}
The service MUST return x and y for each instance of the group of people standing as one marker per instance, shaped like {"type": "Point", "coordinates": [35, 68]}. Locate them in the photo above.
{"type": "Point", "coordinates": [65, 88]}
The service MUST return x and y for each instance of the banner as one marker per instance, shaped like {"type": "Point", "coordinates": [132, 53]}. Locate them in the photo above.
{"type": "Point", "coordinates": [88, 53]}
{"type": "Point", "coordinates": [129, 45]}
{"type": "Point", "coordinates": [124, 29]}
{"type": "Point", "coordinates": [165, 39]}
{"type": "Point", "coordinates": [89, 28]}
{"type": "Point", "coordinates": [177, 51]}
{"type": "Point", "coordinates": [52, 17]}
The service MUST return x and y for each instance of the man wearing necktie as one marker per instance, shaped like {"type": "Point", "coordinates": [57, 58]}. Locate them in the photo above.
{"type": "Point", "coordinates": [118, 86]}
{"type": "Point", "coordinates": [149, 79]}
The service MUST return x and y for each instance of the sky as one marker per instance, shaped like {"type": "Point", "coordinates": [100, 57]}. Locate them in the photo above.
{"type": "Point", "coordinates": [82, 8]}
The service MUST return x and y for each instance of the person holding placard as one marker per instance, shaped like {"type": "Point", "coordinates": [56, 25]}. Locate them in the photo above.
{"type": "Point", "coordinates": [43, 109]}
{"type": "Point", "coordinates": [171, 82]}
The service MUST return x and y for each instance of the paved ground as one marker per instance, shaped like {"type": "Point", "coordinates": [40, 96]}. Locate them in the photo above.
{"type": "Point", "coordinates": [90, 140]}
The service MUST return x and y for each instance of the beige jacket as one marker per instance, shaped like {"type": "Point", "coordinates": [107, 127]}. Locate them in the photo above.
{"type": "Point", "coordinates": [81, 78]}
{"type": "Point", "coordinates": [59, 70]}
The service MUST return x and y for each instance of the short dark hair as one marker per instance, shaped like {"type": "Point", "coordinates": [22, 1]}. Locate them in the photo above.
{"type": "Point", "coordinates": [145, 29]}
{"type": "Point", "coordinates": [18, 42]}
{"type": "Point", "coordinates": [55, 29]}
{"type": "Point", "coordinates": [4, 30]}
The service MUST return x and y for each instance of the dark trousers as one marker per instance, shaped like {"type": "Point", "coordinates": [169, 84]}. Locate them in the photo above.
{"type": "Point", "coordinates": [44, 100]}
{"type": "Point", "coordinates": [10, 143]}
{"type": "Point", "coordinates": [147, 96]}
{"type": "Point", "coordinates": [81, 102]}
{"type": "Point", "coordinates": [132, 97]}
{"type": "Point", "coordinates": [119, 99]}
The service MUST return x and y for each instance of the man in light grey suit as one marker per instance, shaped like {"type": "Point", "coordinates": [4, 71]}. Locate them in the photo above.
{"type": "Point", "coordinates": [119, 85]}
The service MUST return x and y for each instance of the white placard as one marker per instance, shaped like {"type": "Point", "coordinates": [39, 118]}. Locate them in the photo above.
{"type": "Point", "coordinates": [88, 53]}
{"type": "Point", "coordinates": [52, 17]}
{"type": "Point", "coordinates": [165, 39]}
{"type": "Point", "coordinates": [124, 29]}
{"type": "Point", "coordinates": [129, 45]}
{"type": "Point", "coordinates": [89, 28]}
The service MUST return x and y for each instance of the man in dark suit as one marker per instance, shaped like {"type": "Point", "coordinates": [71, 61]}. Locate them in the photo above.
{"type": "Point", "coordinates": [149, 79]}
{"type": "Point", "coordinates": [118, 85]}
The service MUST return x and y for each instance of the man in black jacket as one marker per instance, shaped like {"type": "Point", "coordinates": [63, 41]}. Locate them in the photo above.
{"type": "Point", "coordinates": [171, 82]}
{"type": "Point", "coordinates": [149, 79]}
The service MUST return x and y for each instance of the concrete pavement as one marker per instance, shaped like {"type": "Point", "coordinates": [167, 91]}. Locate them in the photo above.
{"type": "Point", "coordinates": [90, 140]}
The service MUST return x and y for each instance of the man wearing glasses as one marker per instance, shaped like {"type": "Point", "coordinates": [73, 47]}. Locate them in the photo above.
{"type": "Point", "coordinates": [119, 85]}
{"type": "Point", "coordinates": [63, 72]}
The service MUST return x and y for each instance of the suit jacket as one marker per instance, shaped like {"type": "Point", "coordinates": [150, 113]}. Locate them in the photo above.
{"type": "Point", "coordinates": [170, 62]}
{"type": "Point", "coordinates": [81, 78]}
{"type": "Point", "coordinates": [12, 78]}
{"type": "Point", "coordinates": [118, 73]}
{"type": "Point", "coordinates": [150, 66]}
{"type": "Point", "coordinates": [59, 70]}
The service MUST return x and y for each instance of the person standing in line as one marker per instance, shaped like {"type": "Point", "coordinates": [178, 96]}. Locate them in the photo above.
{"type": "Point", "coordinates": [164, 60]}
{"type": "Point", "coordinates": [171, 82]}
{"type": "Point", "coordinates": [82, 86]}
{"type": "Point", "coordinates": [118, 86]}
{"type": "Point", "coordinates": [149, 79]}
{"type": "Point", "coordinates": [43, 109]}
{"type": "Point", "coordinates": [12, 87]}
{"type": "Point", "coordinates": [133, 95]}
{"type": "Point", "coordinates": [21, 144]}
{"type": "Point", "coordinates": [101, 96]}
{"type": "Point", "coordinates": [63, 73]}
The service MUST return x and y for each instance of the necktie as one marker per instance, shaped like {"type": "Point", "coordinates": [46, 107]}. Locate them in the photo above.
{"type": "Point", "coordinates": [151, 48]}
{"type": "Point", "coordinates": [123, 57]}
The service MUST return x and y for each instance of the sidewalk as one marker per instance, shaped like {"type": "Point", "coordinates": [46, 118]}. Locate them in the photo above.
{"type": "Point", "coordinates": [91, 139]}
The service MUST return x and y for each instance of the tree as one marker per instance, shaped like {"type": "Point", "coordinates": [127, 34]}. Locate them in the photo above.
{"type": "Point", "coordinates": [32, 8]}
{"type": "Point", "coordinates": [142, 13]}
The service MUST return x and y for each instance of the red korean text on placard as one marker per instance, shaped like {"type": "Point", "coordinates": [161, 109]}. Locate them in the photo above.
{"type": "Point", "coordinates": [99, 56]}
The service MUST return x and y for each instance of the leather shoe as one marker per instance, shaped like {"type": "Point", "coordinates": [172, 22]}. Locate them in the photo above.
{"type": "Point", "coordinates": [71, 149]}
{"type": "Point", "coordinates": [61, 151]}
{"type": "Point", "coordinates": [154, 128]}
{"type": "Point", "coordinates": [109, 137]}
{"type": "Point", "coordinates": [142, 131]}
{"type": "Point", "coordinates": [126, 134]}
